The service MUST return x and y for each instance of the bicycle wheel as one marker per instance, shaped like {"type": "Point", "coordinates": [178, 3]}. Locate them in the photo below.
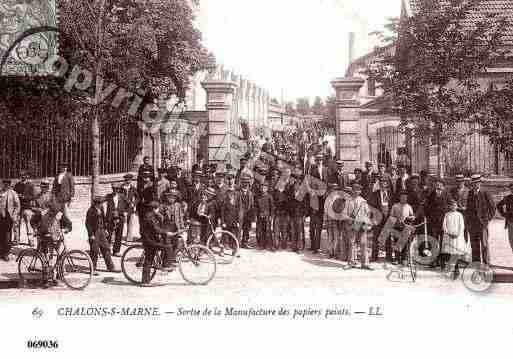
{"type": "Point", "coordinates": [412, 263]}
{"type": "Point", "coordinates": [31, 267]}
{"type": "Point", "coordinates": [197, 264]}
{"type": "Point", "coordinates": [132, 262]}
{"type": "Point", "coordinates": [224, 245]}
{"type": "Point", "coordinates": [76, 269]}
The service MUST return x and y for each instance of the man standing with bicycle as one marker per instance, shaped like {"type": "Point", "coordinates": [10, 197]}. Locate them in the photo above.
{"type": "Point", "coordinates": [155, 237]}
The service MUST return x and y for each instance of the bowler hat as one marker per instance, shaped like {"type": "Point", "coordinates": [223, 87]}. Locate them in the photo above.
{"type": "Point", "coordinates": [6, 181]}
{"type": "Point", "coordinates": [340, 162]}
{"type": "Point", "coordinates": [460, 178]}
{"type": "Point", "coordinates": [128, 176]}
{"type": "Point", "coordinates": [44, 184]}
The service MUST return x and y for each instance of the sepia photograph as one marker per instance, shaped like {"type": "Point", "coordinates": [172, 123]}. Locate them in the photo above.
{"type": "Point", "coordinates": [300, 178]}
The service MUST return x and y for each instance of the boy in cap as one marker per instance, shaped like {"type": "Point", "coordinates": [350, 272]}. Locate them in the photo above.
{"type": "Point", "coordinates": [96, 225]}
{"type": "Point", "coordinates": [264, 208]}
{"type": "Point", "coordinates": [117, 213]}
{"type": "Point", "coordinates": [358, 211]}
{"type": "Point", "coordinates": [204, 211]}
{"type": "Point", "coordinates": [147, 193]}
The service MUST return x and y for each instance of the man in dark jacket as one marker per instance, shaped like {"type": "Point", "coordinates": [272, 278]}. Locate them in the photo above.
{"type": "Point", "coordinates": [381, 200]}
{"type": "Point", "coordinates": [96, 225]}
{"type": "Point", "coordinates": [117, 212]}
{"type": "Point", "coordinates": [480, 211]}
{"type": "Point", "coordinates": [64, 189]}
{"type": "Point", "coordinates": [27, 194]}
{"type": "Point", "coordinates": [505, 208]}
{"type": "Point", "coordinates": [146, 195]}
{"type": "Point", "coordinates": [154, 235]}
{"type": "Point", "coordinates": [368, 180]}
{"type": "Point", "coordinates": [435, 208]}
{"type": "Point", "coordinates": [143, 172]}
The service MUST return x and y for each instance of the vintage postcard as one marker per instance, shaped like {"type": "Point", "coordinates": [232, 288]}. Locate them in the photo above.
{"type": "Point", "coordinates": [247, 178]}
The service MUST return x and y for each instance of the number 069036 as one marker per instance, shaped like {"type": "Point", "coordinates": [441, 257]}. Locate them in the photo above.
{"type": "Point", "coordinates": [42, 344]}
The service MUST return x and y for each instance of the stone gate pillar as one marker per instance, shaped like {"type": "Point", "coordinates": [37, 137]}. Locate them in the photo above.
{"type": "Point", "coordinates": [348, 121]}
{"type": "Point", "coordinates": [219, 125]}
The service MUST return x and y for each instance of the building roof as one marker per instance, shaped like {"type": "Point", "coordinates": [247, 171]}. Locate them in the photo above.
{"type": "Point", "coordinates": [483, 9]}
{"type": "Point", "coordinates": [486, 7]}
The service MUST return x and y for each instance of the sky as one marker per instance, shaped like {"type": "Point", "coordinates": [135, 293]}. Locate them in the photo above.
{"type": "Point", "coordinates": [295, 45]}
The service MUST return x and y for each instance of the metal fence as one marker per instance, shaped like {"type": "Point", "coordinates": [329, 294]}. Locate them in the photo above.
{"type": "Point", "coordinates": [468, 151]}
{"type": "Point", "coordinates": [41, 150]}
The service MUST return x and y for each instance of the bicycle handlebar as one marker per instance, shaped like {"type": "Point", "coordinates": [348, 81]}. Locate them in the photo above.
{"type": "Point", "coordinates": [162, 245]}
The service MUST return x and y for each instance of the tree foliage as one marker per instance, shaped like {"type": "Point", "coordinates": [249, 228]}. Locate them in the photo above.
{"type": "Point", "coordinates": [434, 76]}
{"type": "Point", "coordinates": [148, 46]}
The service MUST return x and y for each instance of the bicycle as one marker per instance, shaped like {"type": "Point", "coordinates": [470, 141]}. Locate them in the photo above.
{"type": "Point", "coordinates": [222, 243]}
{"type": "Point", "coordinates": [191, 259]}
{"type": "Point", "coordinates": [74, 268]}
{"type": "Point", "coordinates": [414, 246]}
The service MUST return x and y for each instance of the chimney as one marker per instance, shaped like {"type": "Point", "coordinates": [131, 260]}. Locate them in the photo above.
{"type": "Point", "coordinates": [351, 47]}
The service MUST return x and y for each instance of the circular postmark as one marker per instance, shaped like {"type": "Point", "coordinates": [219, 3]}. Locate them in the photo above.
{"type": "Point", "coordinates": [31, 48]}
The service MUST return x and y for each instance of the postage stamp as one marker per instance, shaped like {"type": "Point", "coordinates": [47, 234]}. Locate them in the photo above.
{"type": "Point", "coordinates": [28, 53]}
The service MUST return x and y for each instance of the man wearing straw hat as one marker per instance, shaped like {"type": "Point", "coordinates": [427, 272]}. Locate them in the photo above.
{"type": "Point", "coordinates": [480, 210]}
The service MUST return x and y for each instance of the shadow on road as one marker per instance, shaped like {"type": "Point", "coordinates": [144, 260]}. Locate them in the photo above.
{"type": "Point", "coordinates": [322, 262]}
{"type": "Point", "coordinates": [118, 282]}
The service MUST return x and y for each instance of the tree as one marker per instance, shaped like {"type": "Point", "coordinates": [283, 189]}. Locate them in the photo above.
{"type": "Point", "coordinates": [147, 47]}
{"type": "Point", "coordinates": [432, 77]}
{"type": "Point", "coordinates": [303, 106]}
{"type": "Point", "coordinates": [318, 106]}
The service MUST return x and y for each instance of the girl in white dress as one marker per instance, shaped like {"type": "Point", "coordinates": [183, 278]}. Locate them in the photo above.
{"type": "Point", "coordinates": [453, 242]}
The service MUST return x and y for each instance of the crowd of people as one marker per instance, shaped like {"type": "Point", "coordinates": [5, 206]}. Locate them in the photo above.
{"type": "Point", "coordinates": [288, 183]}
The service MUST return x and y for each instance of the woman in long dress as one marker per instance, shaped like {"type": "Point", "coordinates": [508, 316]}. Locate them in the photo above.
{"type": "Point", "coordinates": [454, 245]}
